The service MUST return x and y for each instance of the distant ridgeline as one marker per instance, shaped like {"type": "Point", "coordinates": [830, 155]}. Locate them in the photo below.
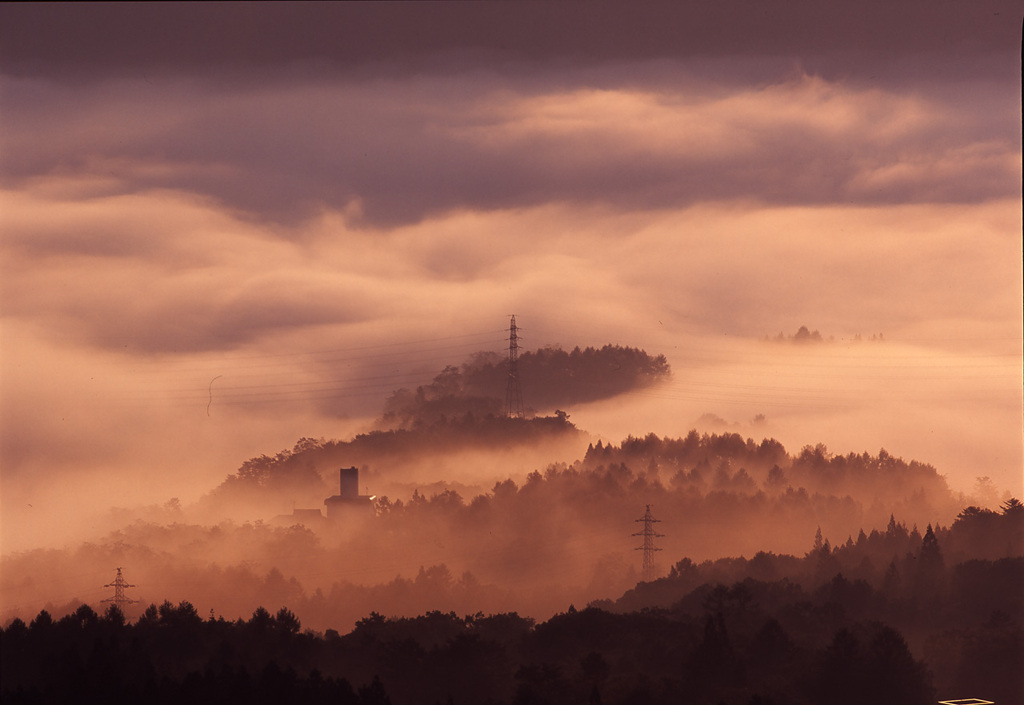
{"type": "Point", "coordinates": [300, 469]}
{"type": "Point", "coordinates": [720, 478]}
{"type": "Point", "coordinates": [705, 463]}
{"type": "Point", "coordinates": [462, 409]}
{"type": "Point", "coordinates": [550, 378]}
{"type": "Point", "coordinates": [729, 463]}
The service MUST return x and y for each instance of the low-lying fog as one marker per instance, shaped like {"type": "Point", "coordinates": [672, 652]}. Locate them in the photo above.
{"type": "Point", "coordinates": [475, 513]}
{"type": "Point", "coordinates": [205, 261]}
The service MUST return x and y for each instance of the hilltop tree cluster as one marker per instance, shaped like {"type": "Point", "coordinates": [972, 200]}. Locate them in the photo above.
{"type": "Point", "coordinates": [551, 378]}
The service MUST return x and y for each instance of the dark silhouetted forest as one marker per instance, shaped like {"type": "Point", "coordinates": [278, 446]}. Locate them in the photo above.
{"type": "Point", "coordinates": [799, 578]}
{"type": "Point", "coordinates": [821, 628]}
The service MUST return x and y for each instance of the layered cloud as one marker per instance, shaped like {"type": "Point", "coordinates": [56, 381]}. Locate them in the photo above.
{"type": "Point", "coordinates": [393, 151]}
{"type": "Point", "coordinates": [219, 250]}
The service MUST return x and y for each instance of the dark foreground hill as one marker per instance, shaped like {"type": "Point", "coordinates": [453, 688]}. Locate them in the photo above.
{"type": "Point", "coordinates": [799, 638]}
{"type": "Point", "coordinates": [752, 642]}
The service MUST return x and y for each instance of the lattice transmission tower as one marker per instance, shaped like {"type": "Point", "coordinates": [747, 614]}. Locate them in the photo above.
{"type": "Point", "coordinates": [119, 598]}
{"type": "Point", "coordinates": [648, 548]}
{"type": "Point", "coordinates": [513, 393]}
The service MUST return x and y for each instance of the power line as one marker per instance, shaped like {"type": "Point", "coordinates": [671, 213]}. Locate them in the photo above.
{"type": "Point", "coordinates": [119, 599]}
{"type": "Point", "coordinates": [649, 568]}
{"type": "Point", "coordinates": [513, 392]}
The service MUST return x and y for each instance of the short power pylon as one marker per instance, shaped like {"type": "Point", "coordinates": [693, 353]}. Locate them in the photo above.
{"type": "Point", "coordinates": [648, 548]}
{"type": "Point", "coordinates": [513, 393]}
{"type": "Point", "coordinates": [119, 598]}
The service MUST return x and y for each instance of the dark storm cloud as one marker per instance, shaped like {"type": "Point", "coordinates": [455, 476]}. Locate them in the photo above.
{"type": "Point", "coordinates": [391, 151]}
{"type": "Point", "coordinates": [85, 40]}
{"type": "Point", "coordinates": [396, 111]}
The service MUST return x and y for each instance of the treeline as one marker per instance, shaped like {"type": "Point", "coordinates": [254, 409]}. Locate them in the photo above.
{"type": "Point", "coordinates": [462, 409]}
{"type": "Point", "coordinates": [170, 655]}
{"type": "Point", "coordinates": [803, 336]}
{"type": "Point", "coordinates": [558, 536]}
{"type": "Point", "coordinates": [713, 472]}
{"type": "Point", "coordinates": [747, 642]}
{"type": "Point", "coordinates": [918, 575]}
{"type": "Point", "coordinates": [727, 462]}
{"type": "Point", "coordinates": [549, 378]}
{"type": "Point", "coordinates": [885, 617]}
{"type": "Point", "coordinates": [562, 536]}
{"type": "Point", "coordinates": [703, 462]}
{"type": "Point", "coordinates": [306, 473]}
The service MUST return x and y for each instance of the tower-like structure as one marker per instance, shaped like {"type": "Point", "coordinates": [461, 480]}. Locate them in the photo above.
{"type": "Point", "coordinates": [648, 548]}
{"type": "Point", "coordinates": [119, 598]}
{"type": "Point", "coordinates": [513, 393]}
{"type": "Point", "coordinates": [348, 501]}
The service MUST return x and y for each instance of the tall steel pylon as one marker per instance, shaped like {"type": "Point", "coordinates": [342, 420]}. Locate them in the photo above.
{"type": "Point", "coordinates": [119, 598]}
{"type": "Point", "coordinates": [513, 393]}
{"type": "Point", "coordinates": [648, 548]}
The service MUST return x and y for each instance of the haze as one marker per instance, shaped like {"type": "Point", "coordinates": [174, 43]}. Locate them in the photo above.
{"type": "Point", "coordinates": [225, 229]}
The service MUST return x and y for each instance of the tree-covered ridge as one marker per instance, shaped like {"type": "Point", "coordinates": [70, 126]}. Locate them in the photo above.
{"type": "Point", "coordinates": [461, 409]}
{"type": "Point", "coordinates": [907, 566]}
{"type": "Point", "coordinates": [549, 378]}
{"type": "Point", "coordinates": [169, 655]}
{"type": "Point", "coordinates": [306, 473]}
{"type": "Point", "coordinates": [730, 463]}
{"type": "Point", "coordinates": [747, 641]}
{"type": "Point", "coordinates": [715, 494]}
{"type": "Point", "coordinates": [921, 613]}
{"type": "Point", "coordinates": [558, 536]}
{"type": "Point", "coordinates": [698, 468]}
{"type": "Point", "coordinates": [469, 430]}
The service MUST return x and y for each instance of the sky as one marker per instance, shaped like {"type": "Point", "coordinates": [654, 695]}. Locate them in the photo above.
{"type": "Point", "coordinates": [228, 227]}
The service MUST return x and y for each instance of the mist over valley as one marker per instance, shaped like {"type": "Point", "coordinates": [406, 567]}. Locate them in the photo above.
{"type": "Point", "coordinates": [464, 508]}
{"type": "Point", "coordinates": [511, 353]}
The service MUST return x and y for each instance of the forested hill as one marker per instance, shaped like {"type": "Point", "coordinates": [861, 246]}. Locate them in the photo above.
{"type": "Point", "coordinates": [462, 409]}
{"type": "Point", "coordinates": [303, 471]}
{"type": "Point", "coordinates": [933, 632]}
{"type": "Point", "coordinates": [549, 378]}
{"type": "Point", "coordinates": [700, 475]}
{"type": "Point", "coordinates": [728, 462]}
